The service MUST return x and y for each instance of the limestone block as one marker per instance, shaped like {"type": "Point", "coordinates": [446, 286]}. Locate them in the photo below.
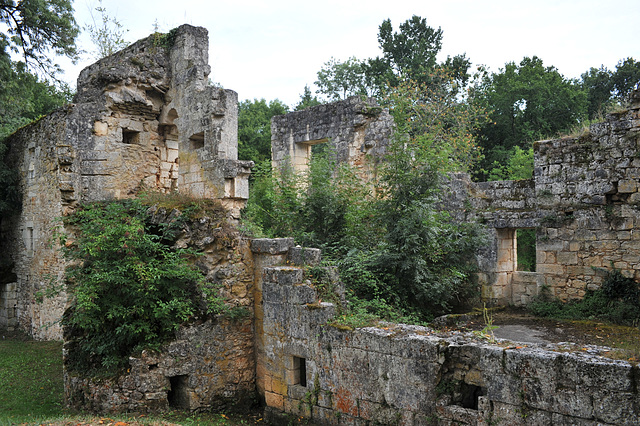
{"type": "Point", "coordinates": [100, 128]}
{"type": "Point", "coordinates": [271, 246]}
{"type": "Point", "coordinates": [627, 186]}
{"type": "Point", "coordinates": [172, 155]}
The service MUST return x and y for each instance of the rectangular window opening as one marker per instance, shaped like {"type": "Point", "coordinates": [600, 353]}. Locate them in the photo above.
{"type": "Point", "coordinates": [130, 136]}
{"type": "Point", "coordinates": [196, 141]}
{"type": "Point", "coordinates": [299, 371]}
{"type": "Point", "coordinates": [526, 249]}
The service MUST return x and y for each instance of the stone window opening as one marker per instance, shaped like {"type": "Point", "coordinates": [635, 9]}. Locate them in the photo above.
{"type": "Point", "coordinates": [303, 152]}
{"type": "Point", "coordinates": [299, 371]}
{"type": "Point", "coordinates": [178, 394]}
{"type": "Point", "coordinates": [526, 249]}
{"type": "Point", "coordinates": [130, 136]}
{"type": "Point", "coordinates": [196, 141]}
{"type": "Point", "coordinates": [470, 395]}
{"type": "Point", "coordinates": [516, 249]}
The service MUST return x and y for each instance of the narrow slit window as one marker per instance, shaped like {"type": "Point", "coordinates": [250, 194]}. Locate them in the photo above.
{"type": "Point", "coordinates": [299, 371]}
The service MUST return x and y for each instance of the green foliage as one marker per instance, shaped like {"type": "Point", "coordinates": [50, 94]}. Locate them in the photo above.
{"type": "Point", "coordinates": [35, 28]}
{"type": "Point", "coordinates": [617, 301]}
{"type": "Point", "coordinates": [408, 54]}
{"type": "Point", "coordinates": [526, 241]}
{"type": "Point", "coordinates": [130, 291]}
{"type": "Point", "coordinates": [436, 123]}
{"type": "Point", "coordinates": [528, 102]}
{"type": "Point", "coordinates": [399, 255]}
{"type": "Point", "coordinates": [107, 33]}
{"type": "Point", "coordinates": [254, 128]}
{"type": "Point", "coordinates": [339, 80]}
{"type": "Point", "coordinates": [306, 100]}
{"type": "Point", "coordinates": [518, 165]}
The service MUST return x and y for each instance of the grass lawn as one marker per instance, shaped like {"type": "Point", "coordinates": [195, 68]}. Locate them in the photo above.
{"type": "Point", "coordinates": [30, 380]}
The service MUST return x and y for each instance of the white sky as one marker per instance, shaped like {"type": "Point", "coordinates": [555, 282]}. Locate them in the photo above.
{"type": "Point", "coordinates": [271, 49]}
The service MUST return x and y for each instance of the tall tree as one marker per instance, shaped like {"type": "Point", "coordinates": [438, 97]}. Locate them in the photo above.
{"type": "Point", "coordinates": [306, 100]}
{"type": "Point", "coordinates": [528, 102]}
{"type": "Point", "coordinates": [37, 28]}
{"type": "Point", "coordinates": [409, 54]}
{"type": "Point", "coordinates": [598, 85]}
{"type": "Point", "coordinates": [254, 128]}
{"type": "Point", "coordinates": [626, 78]}
{"type": "Point", "coordinates": [338, 80]}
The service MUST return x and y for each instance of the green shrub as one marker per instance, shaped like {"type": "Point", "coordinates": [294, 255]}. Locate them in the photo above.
{"type": "Point", "coordinates": [129, 289]}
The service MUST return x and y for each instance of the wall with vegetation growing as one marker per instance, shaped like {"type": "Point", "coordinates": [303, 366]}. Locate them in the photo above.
{"type": "Point", "coordinates": [144, 118]}
{"type": "Point", "coordinates": [312, 366]}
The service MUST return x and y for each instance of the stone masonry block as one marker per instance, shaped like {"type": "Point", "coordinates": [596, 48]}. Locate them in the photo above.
{"type": "Point", "coordinates": [271, 245]}
{"type": "Point", "coordinates": [305, 256]}
{"type": "Point", "coordinates": [283, 275]}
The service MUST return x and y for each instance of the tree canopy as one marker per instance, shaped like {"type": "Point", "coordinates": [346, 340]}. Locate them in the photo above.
{"type": "Point", "coordinates": [254, 128]}
{"type": "Point", "coordinates": [35, 28]}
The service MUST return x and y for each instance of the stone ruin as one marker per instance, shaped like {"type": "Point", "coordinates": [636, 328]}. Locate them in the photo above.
{"type": "Point", "coordinates": [143, 118]}
{"type": "Point", "coordinates": [583, 201]}
{"type": "Point", "coordinates": [146, 117]}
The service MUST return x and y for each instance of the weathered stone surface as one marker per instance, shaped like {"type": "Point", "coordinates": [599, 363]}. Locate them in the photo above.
{"type": "Point", "coordinates": [412, 375]}
{"type": "Point", "coordinates": [143, 118]}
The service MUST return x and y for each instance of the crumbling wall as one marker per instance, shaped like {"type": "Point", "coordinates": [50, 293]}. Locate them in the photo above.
{"type": "Point", "coordinates": [209, 363]}
{"type": "Point", "coordinates": [411, 375]}
{"type": "Point", "coordinates": [41, 156]}
{"type": "Point", "coordinates": [143, 118]}
{"type": "Point", "coordinates": [358, 130]}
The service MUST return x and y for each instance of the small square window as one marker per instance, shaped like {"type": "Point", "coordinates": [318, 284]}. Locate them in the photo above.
{"type": "Point", "coordinates": [130, 136]}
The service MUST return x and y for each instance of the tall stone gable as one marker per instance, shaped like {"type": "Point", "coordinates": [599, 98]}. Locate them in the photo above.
{"type": "Point", "coordinates": [144, 117]}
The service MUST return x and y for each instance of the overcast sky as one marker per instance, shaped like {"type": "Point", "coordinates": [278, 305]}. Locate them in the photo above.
{"type": "Point", "coordinates": [271, 49]}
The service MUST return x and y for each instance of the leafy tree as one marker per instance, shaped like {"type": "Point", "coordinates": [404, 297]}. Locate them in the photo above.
{"type": "Point", "coordinates": [437, 122]}
{"type": "Point", "coordinates": [626, 78]}
{"type": "Point", "coordinates": [528, 102]}
{"type": "Point", "coordinates": [36, 27]}
{"type": "Point", "coordinates": [130, 290]}
{"type": "Point", "coordinates": [598, 84]}
{"type": "Point", "coordinates": [407, 55]}
{"type": "Point", "coordinates": [107, 34]}
{"type": "Point", "coordinates": [306, 100]}
{"type": "Point", "coordinates": [398, 253]}
{"type": "Point", "coordinates": [340, 80]}
{"type": "Point", "coordinates": [254, 128]}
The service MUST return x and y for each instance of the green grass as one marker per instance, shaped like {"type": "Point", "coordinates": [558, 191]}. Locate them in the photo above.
{"type": "Point", "coordinates": [30, 380]}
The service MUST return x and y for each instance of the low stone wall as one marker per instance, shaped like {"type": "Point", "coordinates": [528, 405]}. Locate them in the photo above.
{"type": "Point", "coordinates": [411, 375]}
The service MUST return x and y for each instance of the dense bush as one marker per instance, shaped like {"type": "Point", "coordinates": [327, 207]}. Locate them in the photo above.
{"type": "Point", "coordinates": [401, 257]}
{"type": "Point", "coordinates": [129, 289]}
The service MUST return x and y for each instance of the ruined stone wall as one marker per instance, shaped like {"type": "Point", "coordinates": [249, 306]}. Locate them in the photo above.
{"type": "Point", "coordinates": [587, 193]}
{"type": "Point", "coordinates": [209, 363]}
{"type": "Point", "coordinates": [410, 375]}
{"type": "Point", "coordinates": [143, 118]}
{"type": "Point", "coordinates": [41, 154]}
{"type": "Point", "coordinates": [358, 130]}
